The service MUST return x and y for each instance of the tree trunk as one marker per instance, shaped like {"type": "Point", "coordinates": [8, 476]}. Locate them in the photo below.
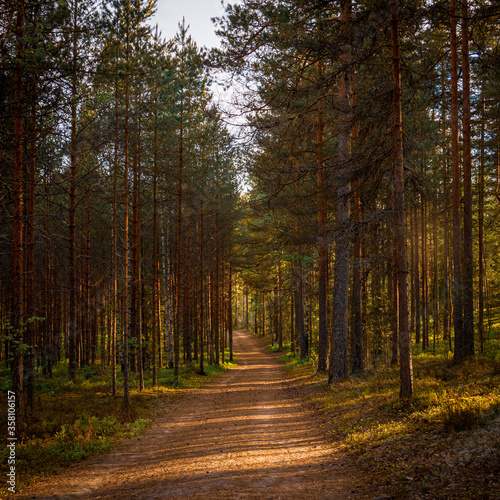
{"type": "Point", "coordinates": [425, 277]}
{"type": "Point", "coordinates": [480, 321]}
{"type": "Point", "coordinates": [299, 309]}
{"type": "Point", "coordinates": [406, 367]}
{"type": "Point", "coordinates": [412, 274]}
{"type": "Point", "coordinates": [167, 295]}
{"type": "Point", "coordinates": [18, 229]}
{"type": "Point", "coordinates": [136, 302]}
{"type": "Point", "coordinates": [230, 307]}
{"type": "Point", "coordinates": [72, 205]}
{"type": "Point", "coordinates": [216, 293]}
{"type": "Point", "coordinates": [280, 308]}
{"type": "Point", "coordinates": [114, 312]}
{"type": "Point", "coordinates": [263, 314]}
{"type": "Point", "coordinates": [338, 353]}
{"type": "Point", "coordinates": [446, 215]}
{"type": "Point", "coordinates": [457, 243]}
{"type": "Point", "coordinates": [435, 258]}
{"type": "Point", "coordinates": [178, 255]}
{"type": "Point", "coordinates": [246, 309]}
{"type": "Point", "coordinates": [186, 303]}
{"type": "Point", "coordinates": [356, 295]}
{"type": "Point", "coordinates": [29, 356]}
{"type": "Point", "coordinates": [87, 310]}
{"type": "Point", "coordinates": [416, 277]}
{"type": "Point", "coordinates": [125, 361]}
{"type": "Point", "coordinates": [154, 259]}
{"type": "Point", "coordinates": [322, 244]}
{"type": "Point", "coordinates": [395, 303]}
{"type": "Point", "coordinates": [467, 349]}
{"type": "Point", "coordinates": [202, 271]}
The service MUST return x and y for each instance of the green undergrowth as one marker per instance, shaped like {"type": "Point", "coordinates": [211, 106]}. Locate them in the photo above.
{"type": "Point", "coordinates": [71, 421]}
{"type": "Point", "coordinates": [442, 443]}
{"type": "Point", "coordinates": [276, 348]}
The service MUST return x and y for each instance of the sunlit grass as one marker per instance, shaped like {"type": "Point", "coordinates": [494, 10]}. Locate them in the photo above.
{"type": "Point", "coordinates": [275, 347]}
{"type": "Point", "coordinates": [453, 408]}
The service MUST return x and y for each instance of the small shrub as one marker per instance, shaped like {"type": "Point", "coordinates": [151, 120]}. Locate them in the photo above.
{"type": "Point", "coordinates": [107, 427]}
{"type": "Point", "coordinates": [461, 415]}
{"type": "Point", "coordinates": [136, 428]}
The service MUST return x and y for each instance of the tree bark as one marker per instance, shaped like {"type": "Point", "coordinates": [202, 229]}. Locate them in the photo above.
{"type": "Point", "coordinates": [416, 277]}
{"type": "Point", "coordinates": [230, 307]}
{"type": "Point", "coordinates": [406, 367]}
{"type": "Point", "coordinates": [299, 309]}
{"type": "Point", "coordinates": [280, 307]}
{"type": "Point", "coordinates": [136, 244]}
{"type": "Point", "coordinates": [356, 294]}
{"type": "Point", "coordinates": [202, 271]}
{"type": "Point", "coordinates": [186, 303]}
{"type": "Point", "coordinates": [178, 255]}
{"type": "Point", "coordinates": [18, 304]}
{"type": "Point", "coordinates": [114, 312]}
{"type": "Point", "coordinates": [395, 303]}
{"type": "Point", "coordinates": [322, 244]}
{"type": "Point", "coordinates": [338, 354]}
{"type": "Point", "coordinates": [30, 340]}
{"type": "Point", "coordinates": [425, 277]}
{"type": "Point", "coordinates": [72, 203]}
{"type": "Point", "coordinates": [216, 293]}
{"type": "Point", "coordinates": [480, 320]}
{"type": "Point", "coordinates": [457, 243]}
{"type": "Point", "coordinates": [125, 361]}
{"type": "Point", "coordinates": [154, 259]}
{"type": "Point", "coordinates": [446, 215]}
{"type": "Point", "coordinates": [468, 262]}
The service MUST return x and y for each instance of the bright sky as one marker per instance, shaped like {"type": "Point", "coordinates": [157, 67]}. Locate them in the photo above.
{"type": "Point", "coordinates": [198, 14]}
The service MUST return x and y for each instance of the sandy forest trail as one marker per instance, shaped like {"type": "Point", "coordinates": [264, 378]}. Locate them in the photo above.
{"type": "Point", "coordinates": [243, 436]}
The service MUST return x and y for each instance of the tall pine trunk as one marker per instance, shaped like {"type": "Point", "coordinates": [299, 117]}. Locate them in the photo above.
{"type": "Point", "coordinates": [30, 340]}
{"type": "Point", "coordinates": [356, 294]}
{"type": "Point", "coordinates": [322, 244]}
{"type": "Point", "coordinates": [446, 216]}
{"type": "Point", "coordinates": [467, 349]}
{"type": "Point", "coordinates": [125, 361]}
{"type": "Point", "coordinates": [18, 226]}
{"type": "Point", "coordinates": [455, 168]}
{"type": "Point", "coordinates": [338, 354]}
{"type": "Point", "coordinates": [178, 255]}
{"type": "Point", "coordinates": [406, 367]}
{"type": "Point", "coordinates": [72, 203]}
{"type": "Point", "coordinates": [425, 276]}
{"type": "Point", "coordinates": [114, 312]}
{"type": "Point", "coordinates": [299, 309]}
{"type": "Point", "coordinates": [230, 305]}
{"type": "Point", "coordinates": [480, 319]}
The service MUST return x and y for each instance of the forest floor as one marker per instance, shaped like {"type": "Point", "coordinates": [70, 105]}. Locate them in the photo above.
{"type": "Point", "coordinates": [244, 435]}
{"type": "Point", "coordinates": [442, 444]}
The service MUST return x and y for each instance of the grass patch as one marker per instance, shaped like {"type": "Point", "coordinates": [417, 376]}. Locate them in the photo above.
{"type": "Point", "coordinates": [276, 347]}
{"type": "Point", "coordinates": [443, 443]}
{"type": "Point", "coordinates": [71, 421]}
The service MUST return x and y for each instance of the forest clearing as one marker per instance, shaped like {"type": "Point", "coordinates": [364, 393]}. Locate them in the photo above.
{"type": "Point", "coordinates": [320, 190]}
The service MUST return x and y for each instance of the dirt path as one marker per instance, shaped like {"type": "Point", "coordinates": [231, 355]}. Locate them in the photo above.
{"type": "Point", "coordinates": [244, 436]}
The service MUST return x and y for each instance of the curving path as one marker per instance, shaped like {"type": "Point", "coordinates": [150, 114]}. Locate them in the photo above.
{"type": "Point", "coordinates": [243, 436]}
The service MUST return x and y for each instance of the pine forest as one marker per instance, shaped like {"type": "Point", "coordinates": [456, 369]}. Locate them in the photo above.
{"type": "Point", "coordinates": [274, 263]}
